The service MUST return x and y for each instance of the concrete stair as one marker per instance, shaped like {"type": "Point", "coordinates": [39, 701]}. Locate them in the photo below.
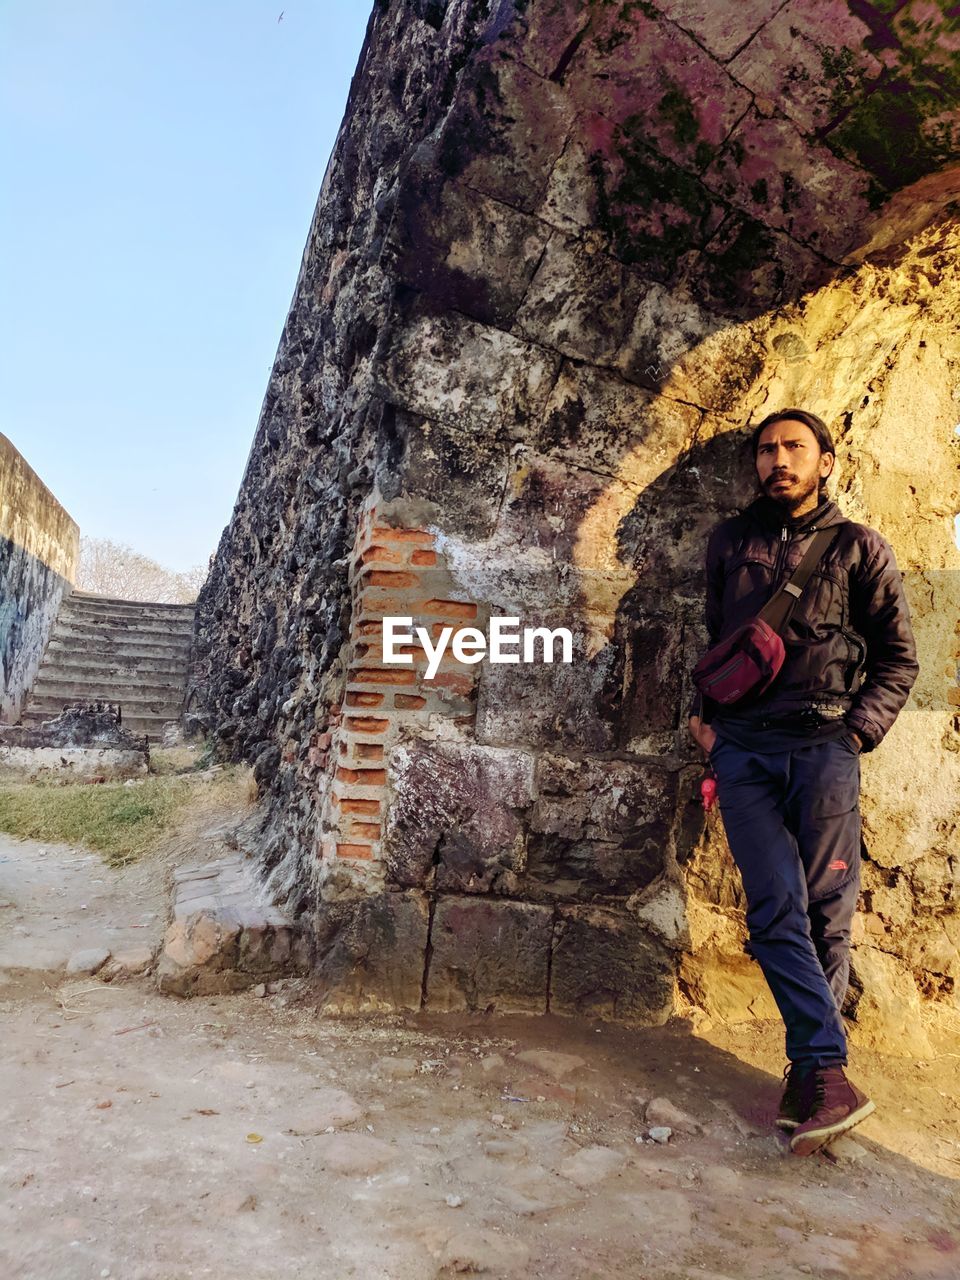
{"type": "Point", "coordinates": [117, 651]}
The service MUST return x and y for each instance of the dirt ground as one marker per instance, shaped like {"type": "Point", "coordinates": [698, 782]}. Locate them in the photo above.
{"type": "Point", "coordinates": [149, 1138]}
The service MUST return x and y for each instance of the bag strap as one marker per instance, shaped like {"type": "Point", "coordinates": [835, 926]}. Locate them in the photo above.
{"type": "Point", "coordinates": [778, 609]}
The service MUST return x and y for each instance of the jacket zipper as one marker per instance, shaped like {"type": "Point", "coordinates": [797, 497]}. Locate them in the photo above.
{"type": "Point", "coordinates": [781, 552]}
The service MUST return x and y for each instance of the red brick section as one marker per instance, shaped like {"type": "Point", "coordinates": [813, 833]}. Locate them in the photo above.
{"type": "Point", "coordinates": [394, 571]}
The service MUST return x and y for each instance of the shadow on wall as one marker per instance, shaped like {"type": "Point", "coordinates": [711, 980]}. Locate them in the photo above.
{"type": "Point", "coordinates": [590, 494]}
{"type": "Point", "coordinates": [895, 401]}
{"type": "Point", "coordinates": [39, 546]}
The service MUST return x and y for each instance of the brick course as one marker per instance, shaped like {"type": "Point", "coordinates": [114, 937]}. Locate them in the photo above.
{"type": "Point", "coordinates": [382, 697]}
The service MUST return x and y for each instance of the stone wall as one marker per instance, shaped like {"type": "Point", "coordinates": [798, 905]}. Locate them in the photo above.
{"type": "Point", "coordinates": [564, 254]}
{"type": "Point", "coordinates": [39, 547]}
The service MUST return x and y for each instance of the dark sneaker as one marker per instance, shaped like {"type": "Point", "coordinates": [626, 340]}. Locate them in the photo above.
{"type": "Point", "coordinates": [795, 1102]}
{"type": "Point", "coordinates": [836, 1105]}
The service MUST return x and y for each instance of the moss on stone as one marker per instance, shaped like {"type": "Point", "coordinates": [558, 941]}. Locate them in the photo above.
{"type": "Point", "coordinates": [840, 73]}
{"type": "Point", "coordinates": [648, 180]}
{"type": "Point", "coordinates": [885, 132]}
{"type": "Point", "coordinates": [791, 188]}
{"type": "Point", "coordinates": [621, 30]}
{"type": "Point", "coordinates": [752, 244]}
{"type": "Point", "coordinates": [676, 108]}
{"type": "Point", "coordinates": [877, 195]}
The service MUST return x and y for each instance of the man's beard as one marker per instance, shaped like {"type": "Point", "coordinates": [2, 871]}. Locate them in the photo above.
{"type": "Point", "coordinates": [796, 495]}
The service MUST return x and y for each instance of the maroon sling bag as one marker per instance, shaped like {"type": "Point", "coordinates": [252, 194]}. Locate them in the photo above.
{"type": "Point", "coordinates": [750, 658]}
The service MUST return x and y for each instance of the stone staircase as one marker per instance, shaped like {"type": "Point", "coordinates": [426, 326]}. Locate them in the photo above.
{"type": "Point", "coordinates": [119, 651]}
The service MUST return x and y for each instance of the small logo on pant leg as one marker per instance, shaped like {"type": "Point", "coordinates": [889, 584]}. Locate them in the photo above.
{"type": "Point", "coordinates": [838, 865]}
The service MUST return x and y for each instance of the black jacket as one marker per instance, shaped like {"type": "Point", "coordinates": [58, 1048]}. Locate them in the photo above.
{"type": "Point", "coordinates": [849, 642]}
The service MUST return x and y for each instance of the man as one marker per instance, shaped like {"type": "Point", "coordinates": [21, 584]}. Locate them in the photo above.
{"type": "Point", "coordinates": [787, 762]}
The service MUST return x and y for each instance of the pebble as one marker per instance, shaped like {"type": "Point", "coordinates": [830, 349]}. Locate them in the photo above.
{"type": "Point", "coordinates": [847, 1148]}
{"type": "Point", "coordinates": [454, 1201]}
{"type": "Point", "coordinates": [127, 964]}
{"type": "Point", "coordinates": [661, 1133]}
{"type": "Point", "coordinates": [88, 961]}
{"type": "Point", "coordinates": [661, 1111]}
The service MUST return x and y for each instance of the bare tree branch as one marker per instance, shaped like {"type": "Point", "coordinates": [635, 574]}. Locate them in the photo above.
{"type": "Point", "coordinates": [114, 569]}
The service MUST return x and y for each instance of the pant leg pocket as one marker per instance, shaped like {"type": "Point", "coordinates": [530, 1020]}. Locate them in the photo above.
{"type": "Point", "coordinates": [836, 788]}
{"type": "Point", "coordinates": [830, 837]}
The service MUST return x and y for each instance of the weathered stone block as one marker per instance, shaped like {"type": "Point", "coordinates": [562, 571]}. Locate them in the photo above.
{"type": "Point", "coordinates": [886, 1005]}
{"type": "Point", "coordinates": [605, 965]}
{"type": "Point", "coordinates": [548, 704]}
{"type": "Point", "coordinates": [369, 952]}
{"type": "Point", "coordinates": [720, 29]}
{"type": "Point", "coordinates": [547, 507]}
{"type": "Point", "coordinates": [639, 71]}
{"type": "Point", "coordinates": [652, 209]}
{"type": "Point", "coordinates": [652, 677]}
{"type": "Point", "coordinates": [750, 174]}
{"type": "Point", "coordinates": [812, 63]}
{"type": "Point", "coordinates": [747, 267]}
{"type": "Point", "coordinates": [199, 944]}
{"type": "Point", "coordinates": [488, 955]}
{"type": "Point", "coordinates": [460, 248]}
{"type": "Point", "coordinates": [472, 376]}
{"type": "Point", "coordinates": [580, 302]}
{"type": "Point", "coordinates": [225, 935]}
{"type": "Point", "coordinates": [597, 826]}
{"type": "Point", "coordinates": [452, 822]}
{"type": "Point", "coordinates": [729, 986]}
{"type": "Point", "coordinates": [598, 420]}
{"type": "Point", "coordinates": [445, 465]}
{"type": "Point", "coordinates": [505, 131]}
{"type": "Point", "coordinates": [679, 348]}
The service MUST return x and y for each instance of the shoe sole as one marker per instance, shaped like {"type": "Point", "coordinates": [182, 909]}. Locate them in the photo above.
{"type": "Point", "coordinates": [814, 1139]}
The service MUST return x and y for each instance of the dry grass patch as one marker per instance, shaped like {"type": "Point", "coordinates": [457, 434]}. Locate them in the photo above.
{"type": "Point", "coordinates": [118, 821]}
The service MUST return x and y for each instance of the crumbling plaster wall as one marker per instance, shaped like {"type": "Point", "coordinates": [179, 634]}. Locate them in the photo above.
{"type": "Point", "coordinates": [563, 253]}
{"type": "Point", "coordinates": [39, 548]}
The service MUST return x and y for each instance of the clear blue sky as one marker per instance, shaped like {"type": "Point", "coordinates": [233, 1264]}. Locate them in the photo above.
{"type": "Point", "coordinates": [160, 164]}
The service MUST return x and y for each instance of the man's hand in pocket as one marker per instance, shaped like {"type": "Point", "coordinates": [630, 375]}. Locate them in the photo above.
{"type": "Point", "coordinates": [702, 733]}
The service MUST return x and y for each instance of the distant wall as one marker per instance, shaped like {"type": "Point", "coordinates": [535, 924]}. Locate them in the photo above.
{"type": "Point", "coordinates": [39, 548]}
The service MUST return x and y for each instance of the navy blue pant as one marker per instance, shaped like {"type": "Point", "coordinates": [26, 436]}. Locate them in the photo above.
{"type": "Point", "coordinates": [792, 820]}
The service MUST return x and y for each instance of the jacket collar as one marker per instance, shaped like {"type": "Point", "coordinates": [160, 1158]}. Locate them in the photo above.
{"type": "Point", "coordinates": [770, 515]}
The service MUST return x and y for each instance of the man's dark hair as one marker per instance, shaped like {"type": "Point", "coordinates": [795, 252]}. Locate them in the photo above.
{"type": "Point", "coordinates": [816, 425]}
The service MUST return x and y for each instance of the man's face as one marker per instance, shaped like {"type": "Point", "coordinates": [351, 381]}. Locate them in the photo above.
{"type": "Point", "coordinates": [790, 464]}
